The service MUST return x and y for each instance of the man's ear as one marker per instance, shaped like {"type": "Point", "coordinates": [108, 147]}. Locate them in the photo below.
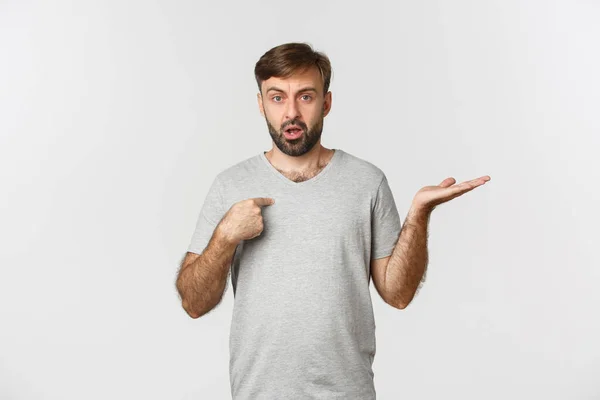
{"type": "Point", "coordinates": [260, 104]}
{"type": "Point", "coordinates": [327, 103]}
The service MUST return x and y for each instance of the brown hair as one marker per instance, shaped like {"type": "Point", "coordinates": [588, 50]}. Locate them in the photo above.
{"type": "Point", "coordinates": [284, 60]}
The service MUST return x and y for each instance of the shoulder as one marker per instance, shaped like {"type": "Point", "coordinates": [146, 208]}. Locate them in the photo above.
{"type": "Point", "coordinates": [362, 170]}
{"type": "Point", "coordinates": [239, 172]}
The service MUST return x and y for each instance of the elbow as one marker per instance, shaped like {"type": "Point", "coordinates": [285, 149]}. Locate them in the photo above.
{"type": "Point", "coordinates": [185, 303]}
{"type": "Point", "coordinates": [400, 304]}
{"type": "Point", "coordinates": [400, 299]}
{"type": "Point", "coordinates": [192, 313]}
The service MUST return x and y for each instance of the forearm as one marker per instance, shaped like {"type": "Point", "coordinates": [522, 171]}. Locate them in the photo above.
{"type": "Point", "coordinates": [202, 282]}
{"type": "Point", "coordinates": [408, 262]}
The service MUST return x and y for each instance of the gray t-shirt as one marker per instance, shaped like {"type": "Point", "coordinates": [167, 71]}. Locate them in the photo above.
{"type": "Point", "coordinates": [302, 324]}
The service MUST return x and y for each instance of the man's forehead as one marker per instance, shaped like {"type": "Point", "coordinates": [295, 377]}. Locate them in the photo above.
{"type": "Point", "coordinates": [302, 87]}
{"type": "Point", "coordinates": [308, 80]}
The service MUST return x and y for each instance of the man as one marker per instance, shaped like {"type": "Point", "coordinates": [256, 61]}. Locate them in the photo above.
{"type": "Point", "coordinates": [303, 229]}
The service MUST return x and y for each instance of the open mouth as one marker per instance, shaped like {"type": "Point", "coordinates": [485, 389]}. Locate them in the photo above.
{"type": "Point", "coordinates": [292, 133]}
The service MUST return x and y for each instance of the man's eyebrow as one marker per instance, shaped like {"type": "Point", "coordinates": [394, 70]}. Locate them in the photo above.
{"type": "Point", "coordinates": [306, 89]}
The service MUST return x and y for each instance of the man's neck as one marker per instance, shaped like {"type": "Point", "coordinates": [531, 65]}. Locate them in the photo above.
{"type": "Point", "coordinates": [303, 167]}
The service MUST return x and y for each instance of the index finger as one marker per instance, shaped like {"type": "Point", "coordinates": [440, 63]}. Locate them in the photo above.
{"type": "Point", "coordinates": [263, 201]}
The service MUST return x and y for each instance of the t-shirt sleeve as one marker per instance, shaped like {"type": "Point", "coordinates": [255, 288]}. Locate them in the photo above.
{"type": "Point", "coordinates": [385, 222]}
{"type": "Point", "coordinates": [208, 219]}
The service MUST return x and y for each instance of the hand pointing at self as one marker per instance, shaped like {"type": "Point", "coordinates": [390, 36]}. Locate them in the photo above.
{"type": "Point", "coordinates": [244, 219]}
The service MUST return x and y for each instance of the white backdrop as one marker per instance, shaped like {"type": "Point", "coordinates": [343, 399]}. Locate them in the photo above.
{"type": "Point", "coordinates": [115, 117]}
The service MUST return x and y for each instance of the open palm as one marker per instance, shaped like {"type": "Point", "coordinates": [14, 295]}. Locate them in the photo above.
{"type": "Point", "coordinates": [431, 196]}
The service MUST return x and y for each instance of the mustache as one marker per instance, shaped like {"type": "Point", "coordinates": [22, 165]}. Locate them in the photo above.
{"type": "Point", "coordinates": [300, 124]}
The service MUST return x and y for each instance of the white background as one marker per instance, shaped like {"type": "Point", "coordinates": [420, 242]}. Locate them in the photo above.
{"type": "Point", "coordinates": [115, 117]}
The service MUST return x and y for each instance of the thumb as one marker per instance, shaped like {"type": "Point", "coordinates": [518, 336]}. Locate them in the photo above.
{"type": "Point", "coordinates": [263, 201]}
{"type": "Point", "coordinates": [447, 182]}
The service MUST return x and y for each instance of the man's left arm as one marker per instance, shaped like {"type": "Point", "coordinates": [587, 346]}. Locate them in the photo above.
{"type": "Point", "coordinates": [406, 267]}
{"type": "Point", "coordinates": [398, 277]}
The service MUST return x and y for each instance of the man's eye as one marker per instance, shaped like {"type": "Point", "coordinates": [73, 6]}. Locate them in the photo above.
{"type": "Point", "coordinates": [307, 95]}
{"type": "Point", "coordinates": [275, 98]}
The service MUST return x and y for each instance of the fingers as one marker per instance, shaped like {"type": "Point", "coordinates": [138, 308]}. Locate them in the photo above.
{"type": "Point", "coordinates": [263, 201]}
{"type": "Point", "coordinates": [447, 182]}
{"type": "Point", "coordinates": [478, 181]}
{"type": "Point", "coordinates": [467, 186]}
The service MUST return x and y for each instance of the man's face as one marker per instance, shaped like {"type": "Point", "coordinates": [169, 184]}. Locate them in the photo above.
{"type": "Point", "coordinates": [295, 101]}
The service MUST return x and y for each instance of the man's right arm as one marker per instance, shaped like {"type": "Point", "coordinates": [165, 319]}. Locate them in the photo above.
{"type": "Point", "coordinates": [202, 278]}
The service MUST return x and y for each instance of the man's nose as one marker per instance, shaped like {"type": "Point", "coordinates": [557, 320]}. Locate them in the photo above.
{"type": "Point", "coordinates": [292, 110]}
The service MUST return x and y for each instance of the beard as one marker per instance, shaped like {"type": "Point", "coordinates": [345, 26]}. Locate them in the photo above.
{"type": "Point", "coordinates": [301, 145]}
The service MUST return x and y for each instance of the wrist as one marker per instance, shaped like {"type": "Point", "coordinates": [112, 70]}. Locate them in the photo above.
{"type": "Point", "coordinates": [224, 235]}
{"type": "Point", "coordinates": [420, 212]}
